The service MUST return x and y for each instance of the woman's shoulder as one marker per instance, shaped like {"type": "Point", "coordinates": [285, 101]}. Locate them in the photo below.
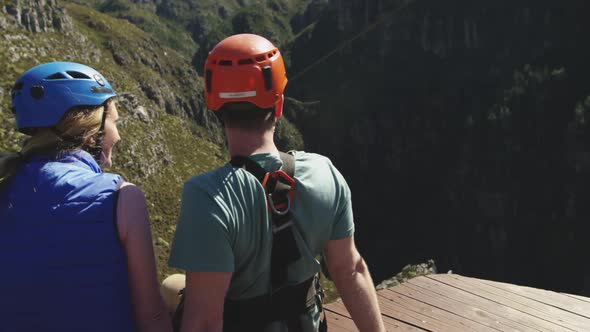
{"type": "Point", "coordinates": [128, 189]}
{"type": "Point", "coordinates": [81, 185]}
{"type": "Point", "coordinates": [130, 196]}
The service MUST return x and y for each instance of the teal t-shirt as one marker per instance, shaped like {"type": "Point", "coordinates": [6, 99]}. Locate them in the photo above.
{"type": "Point", "coordinates": [224, 225]}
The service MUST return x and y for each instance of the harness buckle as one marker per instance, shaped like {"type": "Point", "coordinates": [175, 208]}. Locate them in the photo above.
{"type": "Point", "coordinates": [271, 203]}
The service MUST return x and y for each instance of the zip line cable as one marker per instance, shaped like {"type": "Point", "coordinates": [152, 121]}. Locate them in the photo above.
{"type": "Point", "coordinates": [370, 27]}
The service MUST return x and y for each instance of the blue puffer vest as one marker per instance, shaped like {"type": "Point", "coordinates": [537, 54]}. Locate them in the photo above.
{"type": "Point", "coordinates": [62, 265]}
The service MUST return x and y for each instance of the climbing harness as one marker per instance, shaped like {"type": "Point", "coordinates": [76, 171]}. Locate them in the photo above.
{"type": "Point", "coordinates": [279, 187]}
{"type": "Point", "coordinates": [287, 308]}
{"type": "Point", "coordinates": [284, 308]}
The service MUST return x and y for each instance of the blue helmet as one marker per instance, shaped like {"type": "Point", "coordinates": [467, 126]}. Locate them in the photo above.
{"type": "Point", "coordinates": [43, 94]}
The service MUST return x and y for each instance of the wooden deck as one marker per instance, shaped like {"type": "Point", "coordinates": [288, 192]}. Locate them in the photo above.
{"type": "Point", "coordinates": [450, 302]}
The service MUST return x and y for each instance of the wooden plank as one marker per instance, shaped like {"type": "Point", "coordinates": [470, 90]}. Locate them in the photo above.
{"type": "Point", "coordinates": [338, 307]}
{"type": "Point", "coordinates": [390, 323]}
{"type": "Point", "coordinates": [554, 299]}
{"type": "Point", "coordinates": [427, 316]}
{"type": "Point", "coordinates": [337, 322]}
{"type": "Point", "coordinates": [397, 326]}
{"type": "Point", "coordinates": [516, 319]}
{"type": "Point", "coordinates": [453, 313]}
{"type": "Point", "coordinates": [417, 319]}
{"type": "Point", "coordinates": [341, 309]}
{"type": "Point", "coordinates": [564, 319]}
{"type": "Point", "coordinates": [577, 297]}
{"type": "Point", "coordinates": [453, 303]}
{"type": "Point", "coordinates": [462, 307]}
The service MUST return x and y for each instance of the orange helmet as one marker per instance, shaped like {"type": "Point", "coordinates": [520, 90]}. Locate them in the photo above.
{"type": "Point", "coordinates": [245, 68]}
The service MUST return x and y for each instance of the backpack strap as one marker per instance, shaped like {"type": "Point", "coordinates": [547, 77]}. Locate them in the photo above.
{"type": "Point", "coordinates": [288, 163]}
{"type": "Point", "coordinates": [279, 187]}
{"type": "Point", "coordinates": [284, 305]}
{"type": "Point", "coordinates": [250, 165]}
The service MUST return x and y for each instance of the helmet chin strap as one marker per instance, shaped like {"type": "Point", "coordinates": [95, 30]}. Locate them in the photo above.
{"type": "Point", "coordinates": [279, 107]}
{"type": "Point", "coordinates": [99, 158]}
{"type": "Point", "coordinates": [96, 149]}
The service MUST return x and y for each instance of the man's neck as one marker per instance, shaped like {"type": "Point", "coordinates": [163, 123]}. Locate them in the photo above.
{"type": "Point", "coordinates": [247, 144]}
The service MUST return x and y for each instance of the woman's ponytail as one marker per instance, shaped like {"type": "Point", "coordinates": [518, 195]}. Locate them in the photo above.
{"type": "Point", "coordinates": [75, 130]}
{"type": "Point", "coordinates": [43, 141]}
{"type": "Point", "coordinates": [9, 163]}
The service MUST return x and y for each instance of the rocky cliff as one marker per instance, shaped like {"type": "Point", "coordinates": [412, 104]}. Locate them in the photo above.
{"type": "Point", "coordinates": [461, 127]}
{"type": "Point", "coordinates": [37, 16]}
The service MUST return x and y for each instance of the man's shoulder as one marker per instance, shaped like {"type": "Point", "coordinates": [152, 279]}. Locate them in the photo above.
{"type": "Point", "coordinates": [213, 178]}
{"type": "Point", "coordinates": [316, 173]}
{"type": "Point", "coordinates": [307, 163]}
{"type": "Point", "coordinates": [220, 182]}
{"type": "Point", "coordinates": [309, 158]}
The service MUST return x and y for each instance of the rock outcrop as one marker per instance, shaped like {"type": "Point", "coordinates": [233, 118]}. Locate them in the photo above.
{"type": "Point", "coordinates": [131, 103]}
{"type": "Point", "coordinates": [409, 272]}
{"type": "Point", "coordinates": [38, 16]}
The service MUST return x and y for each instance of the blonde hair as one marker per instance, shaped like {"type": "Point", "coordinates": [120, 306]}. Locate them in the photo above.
{"type": "Point", "coordinates": [74, 131]}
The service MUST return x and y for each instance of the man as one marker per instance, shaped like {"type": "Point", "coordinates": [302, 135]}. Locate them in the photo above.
{"type": "Point", "coordinates": [227, 238]}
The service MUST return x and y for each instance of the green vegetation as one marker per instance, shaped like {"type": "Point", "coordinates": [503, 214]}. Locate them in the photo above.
{"type": "Point", "coordinates": [408, 272]}
{"type": "Point", "coordinates": [287, 137]}
{"type": "Point", "coordinates": [261, 20]}
{"type": "Point", "coordinates": [166, 31]}
{"type": "Point", "coordinates": [146, 58]}
{"type": "Point", "coordinates": [158, 155]}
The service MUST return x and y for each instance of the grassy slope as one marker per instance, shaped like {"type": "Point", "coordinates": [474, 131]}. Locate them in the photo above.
{"type": "Point", "coordinates": [158, 156]}
{"type": "Point", "coordinates": [210, 21]}
{"type": "Point", "coordinates": [167, 135]}
{"type": "Point", "coordinates": [168, 32]}
{"type": "Point", "coordinates": [189, 156]}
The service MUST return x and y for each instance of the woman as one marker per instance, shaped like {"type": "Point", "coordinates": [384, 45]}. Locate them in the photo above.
{"type": "Point", "coordinates": [75, 243]}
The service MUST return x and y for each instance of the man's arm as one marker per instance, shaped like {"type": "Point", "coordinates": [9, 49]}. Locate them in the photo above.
{"type": "Point", "coordinates": [202, 247]}
{"type": "Point", "coordinates": [353, 281]}
{"type": "Point", "coordinates": [204, 299]}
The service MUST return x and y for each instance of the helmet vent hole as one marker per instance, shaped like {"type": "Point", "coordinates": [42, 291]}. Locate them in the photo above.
{"type": "Point", "coordinates": [56, 76]}
{"type": "Point", "coordinates": [78, 75]}
{"type": "Point", "coordinates": [208, 78]}
{"type": "Point", "coordinates": [267, 74]}
{"type": "Point", "coordinates": [37, 92]}
{"type": "Point", "coordinates": [245, 62]}
{"type": "Point", "coordinates": [18, 86]}
{"type": "Point", "coordinates": [270, 55]}
{"type": "Point", "coordinates": [260, 58]}
{"type": "Point", "coordinates": [225, 62]}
